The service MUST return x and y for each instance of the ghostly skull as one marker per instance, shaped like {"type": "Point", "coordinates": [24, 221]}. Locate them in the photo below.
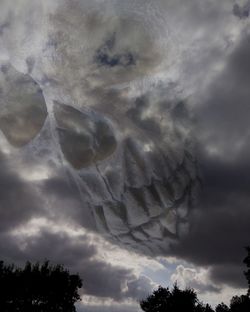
{"type": "Point", "coordinates": [126, 142]}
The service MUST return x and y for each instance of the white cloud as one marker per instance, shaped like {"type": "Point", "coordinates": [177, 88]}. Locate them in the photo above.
{"type": "Point", "coordinates": [197, 278]}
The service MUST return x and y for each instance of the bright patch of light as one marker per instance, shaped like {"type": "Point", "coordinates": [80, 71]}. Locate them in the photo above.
{"type": "Point", "coordinates": [5, 147]}
{"type": "Point", "coordinates": [225, 296]}
{"type": "Point", "coordinates": [106, 302]}
{"type": "Point", "coordinates": [148, 147]}
{"type": "Point", "coordinates": [36, 173]}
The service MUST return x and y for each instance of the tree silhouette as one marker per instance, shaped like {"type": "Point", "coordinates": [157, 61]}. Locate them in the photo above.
{"type": "Point", "coordinates": [240, 304]}
{"type": "Point", "coordinates": [175, 300]}
{"type": "Point", "coordinates": [247, 273]}
{"type": "Point", "coordinates": [222, 307]}
{"type": "Point", "coordinates": [158, 301]}
{"type": "Point", "coordinates": [38, 288]}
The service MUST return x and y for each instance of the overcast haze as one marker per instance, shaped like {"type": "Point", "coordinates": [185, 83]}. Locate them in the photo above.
{"type": "Point", "coordinates": [124, 144]}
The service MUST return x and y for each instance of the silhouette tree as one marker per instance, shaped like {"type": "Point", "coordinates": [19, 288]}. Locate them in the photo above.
{"type": "Point", "coordinates": [200, 307]}
{"type": "Point", "coordinates": [222, 307]}
{"type": "Point", "coordinates": [240, 304]}
{"type": "Point", "coordinates": [247, 273]}
{"type": "Point", "coordinates": [38, 288]}
{"type": "Point", "coordinates": [158, 301]}
{"type": "Point", "coordinates": [207, 308]}
{"type": "Point", "coordinates": [175, 300]}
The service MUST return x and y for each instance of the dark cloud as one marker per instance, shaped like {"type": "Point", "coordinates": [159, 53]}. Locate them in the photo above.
{"type": "Point", "coordinates": [78, 254]}
{"type": "Point", "coordinates": [106, 57]}
{"type": "Point", "coordinates": [19, 201]}
{"type": "Point", "coordinates": [108, 282]}
{"type": "Point", "coordinates": [3, 27]}
{"type": "Point", "coordinates": [241, 11]}
{"type": "Point", "coordinates": [124, 149]}
{"type": "Point", "coordinates": [85, 138]}
{"type": "Point", "coordinates": [30, 61]}
{"type": "Point", "coordinates": [231, 275]}
{"type": "Point", "coordinates": [221, 226]}
{"type": "Point", "coordinates": [107, 308]}
{"type": "Point", "coordinates": [140, 288]}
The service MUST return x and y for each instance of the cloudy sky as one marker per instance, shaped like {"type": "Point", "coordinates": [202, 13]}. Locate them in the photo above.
{"type": "Point", "coordinates": [124, 144]}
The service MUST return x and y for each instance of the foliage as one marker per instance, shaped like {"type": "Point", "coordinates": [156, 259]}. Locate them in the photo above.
{"type": "Point", "coordinates": [222, 307]}
{"type": "Point", "coordinates": [38, 288]}
{"type": "Point", "coordinates": [247, 273]}
{"type": "Point", "coordinates": [177, 300]}
{"type": "Point", "coordinates": [240, 304]}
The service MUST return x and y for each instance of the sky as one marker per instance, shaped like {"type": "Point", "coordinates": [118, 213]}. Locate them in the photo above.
{"type": "Point", "coordinates": [124, 144]}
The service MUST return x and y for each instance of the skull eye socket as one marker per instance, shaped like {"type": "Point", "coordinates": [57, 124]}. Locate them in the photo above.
{"type": "Point", "coordinates": [23, 110]}
{"type": "Point", "coordinates": [84, 138]}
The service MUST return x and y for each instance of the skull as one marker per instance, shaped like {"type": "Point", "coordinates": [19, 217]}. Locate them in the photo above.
{"type": "Point", "coordinates": [122, 134]}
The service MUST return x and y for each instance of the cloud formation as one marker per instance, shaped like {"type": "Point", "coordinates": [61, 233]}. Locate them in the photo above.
{"type": "Point", "coordinates": [78, 253]}
{"type": "Point", "coordinates": [97, 123]}
{"type": "Point", "coordinates": [221, 229]}
{"type": "Point", "coordinates": [192, 278]}
{"type": "Point", "coordinates": [135, 170]}
{"type": "Point", "coordinates": [242, 11]}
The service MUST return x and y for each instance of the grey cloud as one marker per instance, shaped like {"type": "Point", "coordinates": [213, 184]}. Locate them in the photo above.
{"type": "Point", "coordinates": [134, 50]}
{"type": "Point", "coordinates": [85, 138]}
{"type": "Point", "coordinates": [66, 202]}
{"type": "Point", "coordinates": [220, 229]}
{"type": "Point", "coordinates": [81, 73]}
{"type": "Point", "coordinates": [226, 110]}
{"type": "Point", "coordinates": [231, 275]}
{"type": "Point", "coordinates": [241, 11]}
{"type": "Point", "coordinates": [100, 278]}
{"type": "Point", "coordinates": [140, 288]}
{"type": "Point", "coordinates": [204, 15]}
{"type": "Point", "coordinates": [119, 181]}
{"type": "Point", "coordinates": [30, 61]}
{"type": "Point", "coordinates": [19, 201]}
{"type": "Point", "coordinates": [23, 108]}
{"type": "Point", "coordinates": [3, 27]}
{"type": "Point", "coordinates": [105, 55]}
{"type": "Point", "coordinates": [58, 248]}
{"type": "Point", "coordinates": [194, 278]}
{"type": "Point", "coordinates": [105, 280]}
{"type": "Point", "coordinates": [204, 34]}
{"type": "Point", "coordinates": [24, 15]}
{"type": "Point", "coordinates": [137, 184]}
{"type": "Point", "coordinates": [107, 308]}
{"type": "Point", "coordinates": [205, 288]}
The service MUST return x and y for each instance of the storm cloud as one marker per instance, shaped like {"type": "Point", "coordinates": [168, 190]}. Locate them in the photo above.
{"type": "Point", "coordinates": [221, 228]}
{"type": "Point", "coordinates": [125, 126]}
